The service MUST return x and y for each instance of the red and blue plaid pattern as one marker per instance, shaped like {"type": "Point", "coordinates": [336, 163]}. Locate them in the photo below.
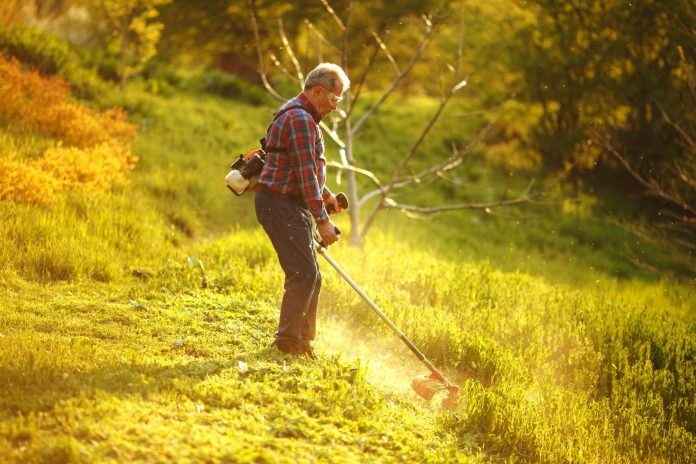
{"type": "Point", "coordinates": [295, 163]}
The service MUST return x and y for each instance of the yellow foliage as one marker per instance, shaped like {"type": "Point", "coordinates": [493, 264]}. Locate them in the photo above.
{"type": "Point", "coordinates": [64, 168]}
{"type": "Point", "coordinates": [42, 104]}
{"type": "Point", "coordinates": [93, 152]}
{"type": "Point", "coordinates": [95, 168]}
{"type": "Point", "coordinates": [25, 182]}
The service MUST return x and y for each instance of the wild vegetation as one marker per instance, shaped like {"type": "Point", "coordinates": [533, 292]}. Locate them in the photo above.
{"type": "Point", "coordinates": [139, 300]}
{"type": "Point", "coordinates": [92, 150]}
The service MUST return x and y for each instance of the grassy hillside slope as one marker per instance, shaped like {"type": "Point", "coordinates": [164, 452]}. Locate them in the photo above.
{"type": "Point", "coordinates": [164, 370]}
{"type": "Point", "coordinates": [175, 364]}
{"type": "Point", "coordinates": [135, 326]}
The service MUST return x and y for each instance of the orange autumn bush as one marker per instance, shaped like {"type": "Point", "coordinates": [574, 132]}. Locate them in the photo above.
{"type": "Point", "coordinates": [94, 168]}
{"type": "Point", "coordinates": [26, 182]}
{"type": "Point", "coordinates": [93, 151]}
{"type": "Point", "coordinates": [64, 168]}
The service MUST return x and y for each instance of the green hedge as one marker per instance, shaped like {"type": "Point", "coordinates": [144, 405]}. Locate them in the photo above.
{"type": "Point", "coordinates": [52, 56]}
{"type": "Point", "coordinates": [228, 86]}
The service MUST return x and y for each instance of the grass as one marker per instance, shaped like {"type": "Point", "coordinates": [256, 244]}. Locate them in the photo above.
{"type": "Point", "coordinates": [136, 324]}
{"type": "Point", "coordinates": [115, 372]}
{"type": "Point", "coordinates": [179, 354]}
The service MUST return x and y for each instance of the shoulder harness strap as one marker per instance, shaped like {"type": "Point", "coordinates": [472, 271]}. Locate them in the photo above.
{"type": "Point", "coordinates": [276, 115]}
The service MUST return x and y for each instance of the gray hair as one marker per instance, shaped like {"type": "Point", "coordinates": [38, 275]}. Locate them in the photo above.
{"type": "Point", "coordinates": [327, 75]}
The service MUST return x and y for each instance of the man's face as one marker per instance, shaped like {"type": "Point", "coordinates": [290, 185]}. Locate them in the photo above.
{"type": "Point", "coordinates": [328, 99]}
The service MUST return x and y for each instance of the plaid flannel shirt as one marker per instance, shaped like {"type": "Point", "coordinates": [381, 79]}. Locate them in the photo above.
{"type": "Point", "coordinates": [298, 167]}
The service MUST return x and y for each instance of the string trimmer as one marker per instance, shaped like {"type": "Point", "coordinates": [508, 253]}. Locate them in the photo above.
{"type": "Point", "coordinates": [425, 385]}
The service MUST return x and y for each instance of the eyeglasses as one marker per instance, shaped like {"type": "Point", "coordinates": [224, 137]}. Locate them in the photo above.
{"type": "Point", "coordinates": [334, 99]}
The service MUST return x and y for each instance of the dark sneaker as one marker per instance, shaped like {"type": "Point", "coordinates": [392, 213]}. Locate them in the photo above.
{"type": "Point", "coordinates": [290, 347]}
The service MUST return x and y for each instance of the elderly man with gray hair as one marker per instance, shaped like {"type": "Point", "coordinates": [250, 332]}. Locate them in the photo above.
{"type": "Point", "coordinates": [291, 193]}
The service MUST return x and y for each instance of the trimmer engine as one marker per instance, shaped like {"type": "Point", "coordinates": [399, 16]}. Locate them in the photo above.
{"type": "Point", "coordinates": [245, 172]}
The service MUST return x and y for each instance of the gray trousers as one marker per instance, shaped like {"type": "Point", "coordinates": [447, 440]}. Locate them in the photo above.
{"type": "Point", "coordinates": [289, 227]}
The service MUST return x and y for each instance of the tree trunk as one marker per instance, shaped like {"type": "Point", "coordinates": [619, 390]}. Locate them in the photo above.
{"type": "Point", "coordinates": [355, 232]}
{"type": "Point", "coordinates": [124, 48]}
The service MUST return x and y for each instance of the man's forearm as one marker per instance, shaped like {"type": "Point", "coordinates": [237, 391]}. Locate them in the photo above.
{"type": "Point", "coordinates": [326, 193]}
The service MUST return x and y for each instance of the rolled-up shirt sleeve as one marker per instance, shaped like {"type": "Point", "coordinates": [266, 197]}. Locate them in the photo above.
{"type": "Point", "coordinates": [302, 139]}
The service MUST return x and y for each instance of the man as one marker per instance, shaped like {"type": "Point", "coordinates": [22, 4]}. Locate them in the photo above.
{"type": "Point", "coordinates": [291, 192]}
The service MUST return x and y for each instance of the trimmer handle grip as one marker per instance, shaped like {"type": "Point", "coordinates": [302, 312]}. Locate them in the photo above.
{"type": "Point", "coordinates": [342, 201]}
{"type": "Point", "coordinates": [321, 242]}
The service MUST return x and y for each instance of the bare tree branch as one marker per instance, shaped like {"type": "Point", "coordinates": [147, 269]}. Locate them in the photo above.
{"type": "Point", "coordinates": [448, 164]}
{"type": "Point", "coordinates": [346, 35]}
{"type": "Point", "coordinates": [458, 85]}
{"type": "Point", "coordinates": [414, 148]}
{"type": "Point", "coordinates": [524, 197]}
{"type": "Point", "coordinates": [370, 175]}
{"type": "Point", "coordinates": [386, 51]}
{"type": "Point", "coordinates": [280, 66]}
{"type": "Point", "coordinates": [676, 126]}
{"type": "Point", "coordinates": [333, 134]}
{"type": "Point", "coordinates": [262, 71]}
{"type": "Point", "coordinates": [449, 179]}
{"type": "Point", "coordinates": [451, 162]}
{"type": "Point", "coordinates": [356, 89]}
{"type": "Point", "coordinates": [443, 208]}
{"type": "Point", "coordinates": [686, 177]}
{"type": "Point", "coordinates": [527, 196]}
{"type": "Point", "coordinates": [659, 235]}
{"type": "Point", "coordinates": [333, 14]}
{"type": "Point", "coordinates": [404, 161]}
{"type": "Point", "coordinates": [321, 37]}
{"type": "Point", "coordinates": [291, 53]}
{"type": "Point", "coordinates": [414, 59]}
{"type": "Point", "coordinates": [653, 186]}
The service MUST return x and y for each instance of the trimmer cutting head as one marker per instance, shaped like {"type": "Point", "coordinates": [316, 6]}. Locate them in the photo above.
{"type": "Point", "coordinates": [428, 385]}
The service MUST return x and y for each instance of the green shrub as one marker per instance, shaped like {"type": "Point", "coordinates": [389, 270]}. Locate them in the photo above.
{"type": "Point", "coordinates": [34, 48]}
{"type": "Point", "coordinates": [226, 85]}
{"type": "Point", "coordinates": [52, 56]}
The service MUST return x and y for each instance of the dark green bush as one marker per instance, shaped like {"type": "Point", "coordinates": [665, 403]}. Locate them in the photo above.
{"type": "Point", "coordinates": [106, 65]}
{"type": "Point", "coordinates": [52, 56]}
{"type": "Point", "coordinates": [228, 86]}
{"type": "Point", "coordinates": [44, 52]}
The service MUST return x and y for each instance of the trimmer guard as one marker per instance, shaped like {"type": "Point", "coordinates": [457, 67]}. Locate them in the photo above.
{"type": "Point", "coordinates": [428, 385]}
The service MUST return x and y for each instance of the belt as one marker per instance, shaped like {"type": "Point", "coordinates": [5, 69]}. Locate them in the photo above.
{"type": "Point", "coordinates": [299, 201]}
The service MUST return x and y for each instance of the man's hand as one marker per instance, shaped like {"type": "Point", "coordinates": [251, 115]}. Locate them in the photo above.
{"type": "Point", "coordinates": [327, 232]}
{"type": "Point", "coordinates": [333, 202]}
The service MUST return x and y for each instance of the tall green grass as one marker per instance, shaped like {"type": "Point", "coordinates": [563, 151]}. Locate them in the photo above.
{"type": "Point", "coordinates": [177, 367]}
{"type": "Point", "coordinates": [98, 236]}
{"type": "Point", "coordinates": [548, 373]}
{"type": "Point", "coordinates": [554, 374]}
